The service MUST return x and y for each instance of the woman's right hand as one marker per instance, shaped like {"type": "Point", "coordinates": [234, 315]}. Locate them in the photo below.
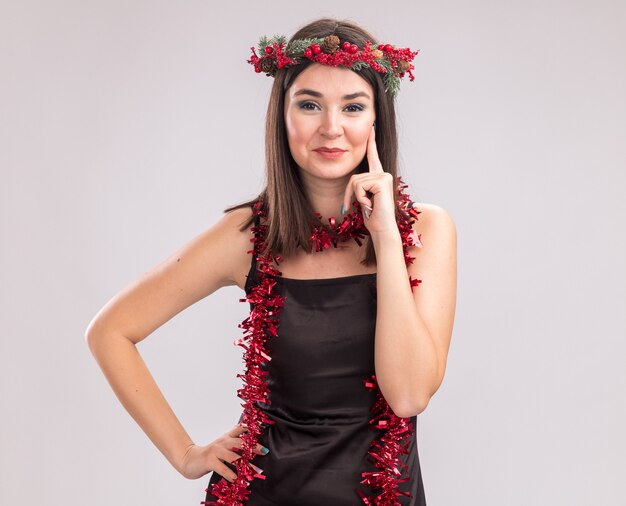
{"type": "Point", "coordinates": [199, 460]}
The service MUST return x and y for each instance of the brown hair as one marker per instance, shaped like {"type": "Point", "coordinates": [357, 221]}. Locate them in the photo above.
{"type": "Point", "coordinates": [289, 213]}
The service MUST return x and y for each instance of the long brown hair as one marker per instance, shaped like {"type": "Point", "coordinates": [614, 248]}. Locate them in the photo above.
{"type": "Point", "coordinates": [289, 212]}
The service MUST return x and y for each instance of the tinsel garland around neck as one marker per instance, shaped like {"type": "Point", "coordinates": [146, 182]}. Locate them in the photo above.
{"type": "Point", "coordinates": [262, 324]}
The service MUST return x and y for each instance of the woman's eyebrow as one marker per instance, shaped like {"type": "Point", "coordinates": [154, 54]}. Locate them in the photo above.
{"type": "Point", "coordinates": [314, 93]}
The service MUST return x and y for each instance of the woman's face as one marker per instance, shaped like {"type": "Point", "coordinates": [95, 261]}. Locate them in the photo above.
{"type": "Point", "coordinates": [328, 107]}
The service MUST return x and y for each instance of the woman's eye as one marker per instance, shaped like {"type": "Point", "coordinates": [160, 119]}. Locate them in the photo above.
{"type": "Point", "coordinates": [351, 107]}
{"type": "Point", "coordinates": [358, 107]}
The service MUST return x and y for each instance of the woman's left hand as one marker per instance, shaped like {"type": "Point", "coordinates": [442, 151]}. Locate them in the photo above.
{"type": "Point", "coordinates": [379, 210]}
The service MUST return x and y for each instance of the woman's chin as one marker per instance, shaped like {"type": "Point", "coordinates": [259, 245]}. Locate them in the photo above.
{"type": "Point", "coordinates": [337, 172]}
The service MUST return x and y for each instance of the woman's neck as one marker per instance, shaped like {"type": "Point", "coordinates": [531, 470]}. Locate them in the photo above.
{"type": "Point", "coordinates": [326, 196]}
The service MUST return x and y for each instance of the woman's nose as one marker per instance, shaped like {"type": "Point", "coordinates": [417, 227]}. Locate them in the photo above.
{"type": "Point", "coordinates": [331, 124]}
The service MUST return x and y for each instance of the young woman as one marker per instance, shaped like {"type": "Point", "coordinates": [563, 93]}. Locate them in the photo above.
{"type": "Point", "coordinates": [351, 314]}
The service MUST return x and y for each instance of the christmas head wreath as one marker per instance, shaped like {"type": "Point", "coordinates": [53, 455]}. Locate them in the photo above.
{"type": "Point", "coordinates": [393, 63]}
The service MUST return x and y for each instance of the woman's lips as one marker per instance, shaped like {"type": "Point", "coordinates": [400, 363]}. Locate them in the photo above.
{"type": "Point", "coordinates": [330, 154]}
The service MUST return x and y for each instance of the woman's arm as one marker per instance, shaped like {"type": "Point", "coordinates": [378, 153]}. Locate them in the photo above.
{"type": "Point", "coordinates": [136, 389]}
{"type": "Point", "coordinates": [414, 327]}
{"type": "Point", "coordinates": [203, 265]}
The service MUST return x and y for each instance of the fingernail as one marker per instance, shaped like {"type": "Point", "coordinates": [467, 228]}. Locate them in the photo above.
{"type": "Point", "coordinates": [342, 208]}
{"type": "Point", "coordinates": [374, 126]}
{"type": "Point", "coordinates": [265, 450]}
{"type": "Point", "coordinates": [258, 469]}
{"type": "Point", "coordinates": [367, 207]}
{"type": "Point", "coordinates": [367, 214]}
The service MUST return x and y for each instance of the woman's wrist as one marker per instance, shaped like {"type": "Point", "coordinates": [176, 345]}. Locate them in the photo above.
{"type": "Point", "coordinates": [181, 464]}
{"type": "Point", "coordinates": [382, 239]}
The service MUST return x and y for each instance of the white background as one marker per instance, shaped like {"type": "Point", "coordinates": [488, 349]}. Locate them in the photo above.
{"type": "Point", "coordinates": [126, 127]}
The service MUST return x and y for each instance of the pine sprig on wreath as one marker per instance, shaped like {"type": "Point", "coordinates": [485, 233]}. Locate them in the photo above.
{"type": "Point", "coordinates": [297, 47]}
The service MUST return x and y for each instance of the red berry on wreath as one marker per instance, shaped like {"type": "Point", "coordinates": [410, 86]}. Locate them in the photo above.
{"type": "Point", "coordinates": [269, 49]}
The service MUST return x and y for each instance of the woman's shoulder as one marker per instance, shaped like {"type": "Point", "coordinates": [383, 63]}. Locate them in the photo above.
{"type": "Point", "coordinates": [435, 229]}
{"type": "Point", "coordinates": [239, 216]}
{"type": "Point", "coordinates": [238, 242]}
{"type": "Point", "coordinates": [431, 215]}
